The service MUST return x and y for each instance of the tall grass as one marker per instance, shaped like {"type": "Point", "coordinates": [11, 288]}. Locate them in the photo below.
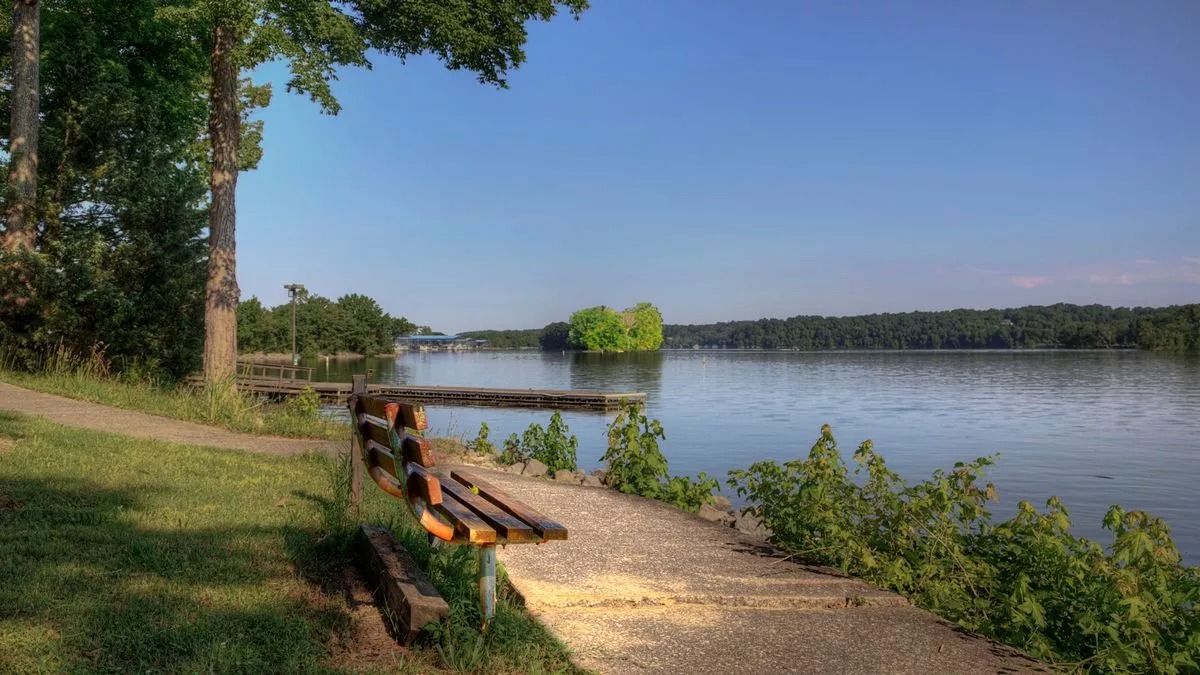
{"type": "Point", "coordinates": [91, 377]}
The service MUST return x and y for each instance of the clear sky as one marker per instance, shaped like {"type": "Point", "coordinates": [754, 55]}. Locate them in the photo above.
{"type": "Point", "coordinates": [734, 160]}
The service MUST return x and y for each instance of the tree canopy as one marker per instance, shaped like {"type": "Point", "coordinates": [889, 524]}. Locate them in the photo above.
{"type": "Point", "coordinates": [118, 259]}
{"type": "Point", "coordinates": [141, 128]}
{"type": "Point", "coordinates": [354, 323]}
{"type": "Point", "coordinates": [603, 329]}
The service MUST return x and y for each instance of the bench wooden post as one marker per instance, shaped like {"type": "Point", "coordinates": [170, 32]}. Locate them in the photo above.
{"type": "Point", "coordinates": [487, 582]}
{"type": "Point", "coordinates": [457, 509]}
{"type": "Point", "coordinates": [358, 385]}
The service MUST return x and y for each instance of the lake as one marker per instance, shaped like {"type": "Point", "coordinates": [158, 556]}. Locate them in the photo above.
{"type": "Point", "coordinates": [1093, 427]}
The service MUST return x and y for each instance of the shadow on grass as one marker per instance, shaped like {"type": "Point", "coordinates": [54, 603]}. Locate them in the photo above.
{"type": "Point", "coordinates": [85, 588]}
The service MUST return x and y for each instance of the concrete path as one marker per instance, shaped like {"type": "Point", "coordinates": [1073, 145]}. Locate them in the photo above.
{"type": "Point", "coordinates": [642, 587]}
{"type": "Point", "coordinates": [98, 417]}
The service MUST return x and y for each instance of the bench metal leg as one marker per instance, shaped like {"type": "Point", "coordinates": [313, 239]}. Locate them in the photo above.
{"type": "Point", "coordinates": [487, 582]}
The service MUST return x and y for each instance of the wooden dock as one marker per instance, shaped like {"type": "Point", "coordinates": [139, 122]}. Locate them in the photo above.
{"type": "Point", "coordinates": [282, 381]}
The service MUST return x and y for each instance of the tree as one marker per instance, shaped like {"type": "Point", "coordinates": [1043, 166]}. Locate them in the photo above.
{"type": "Point", "coordinates": [21, 212]}
{"type": "Point", "coordinates": [254, 328]}
{"type": "Point", "coordinates": [401, 326]}
{"type": "Point", "coordinates": [366, 329]}
{"type": "Point", "coordinates": [484, 36]}
{"type": "Point", "coordinates": [638, 328]}
{"type": "Point", "coordinates": [555, 336]}
{"type": "Point", "coordinates": [598, 329]}
{"type": "Point", "coordinates": [119, 259]}
{"type": "Point", "coordinates": [354, 323]}
{"type": "Point", "coordinates": [646, 333]}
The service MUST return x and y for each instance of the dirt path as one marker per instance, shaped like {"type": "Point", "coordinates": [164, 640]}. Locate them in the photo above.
{"type": "Point", "coordinates": [71, 412]}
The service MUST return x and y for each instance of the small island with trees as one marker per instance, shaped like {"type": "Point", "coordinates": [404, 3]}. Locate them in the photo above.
{"type": "Point", "coordinates": [604, 329]}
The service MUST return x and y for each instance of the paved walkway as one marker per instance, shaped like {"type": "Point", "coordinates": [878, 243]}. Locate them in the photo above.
{"type": "Point", "coordinates": [114, 420]}
{"type": "Point", "coordinates": [641, 587]}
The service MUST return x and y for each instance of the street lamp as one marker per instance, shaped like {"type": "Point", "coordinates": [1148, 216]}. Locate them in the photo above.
{"type": "Point", "coordinates": [294, 290]}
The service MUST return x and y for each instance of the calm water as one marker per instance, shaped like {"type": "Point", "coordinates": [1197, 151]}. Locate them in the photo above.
{"type": "Point", "coordinates": [1095, 428]}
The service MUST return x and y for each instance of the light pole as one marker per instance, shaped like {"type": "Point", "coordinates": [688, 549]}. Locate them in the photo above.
{"type": "Point", "coordinates": [294, 290]}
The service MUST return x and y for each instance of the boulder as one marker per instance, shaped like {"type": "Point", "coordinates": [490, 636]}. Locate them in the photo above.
{"type": "Point", "coordinates": [710, 514]}
{"type": "Point", "coordinates": [721, 503]}
{"type": "Point", "coordinates": [534, 468]}
{"type": "Point", "coordinates": [565, 476]}
{"type": "Point", "coordinates": [592, 481]}
{"type": "Point", "coordinates": [517, 468]}
{"type": "Point", "coordinates": [601, 475]}
{"type": "Point", "coordinates": [749, 523]}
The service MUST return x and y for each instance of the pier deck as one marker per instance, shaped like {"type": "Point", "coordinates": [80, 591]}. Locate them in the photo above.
{"type": "Point", "coordinates": [556, 399]}
{"type": "Point", "coordinates": [282, 381]}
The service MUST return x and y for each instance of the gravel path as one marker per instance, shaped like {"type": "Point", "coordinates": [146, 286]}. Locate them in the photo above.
{"type": "Point", "coordinates": [82, 414]}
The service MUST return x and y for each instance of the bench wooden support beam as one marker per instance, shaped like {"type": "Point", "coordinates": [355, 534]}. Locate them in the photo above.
{"type": "Point", "coordinates": [459, 509]}
{"type": "Point", "coordinates": [411, 599]}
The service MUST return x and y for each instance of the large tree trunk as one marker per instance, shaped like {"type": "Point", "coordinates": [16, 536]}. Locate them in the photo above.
{"type": "Point", "coordinates": [221, 290]}
{"type": "Point", "coordinates": [21, 217]}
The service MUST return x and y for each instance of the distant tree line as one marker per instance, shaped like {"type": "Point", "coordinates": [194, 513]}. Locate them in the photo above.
{"type": "Point", "coordinates": [355, 323]}
{"type": "Point", "coordinates": [507, 339]}
{"type": "Point", "coordinates": [1063, 326]}
{"type": "Point", "coordinates": [1034, 327]}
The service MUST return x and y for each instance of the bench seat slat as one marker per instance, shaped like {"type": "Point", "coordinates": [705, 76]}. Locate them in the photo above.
{"type": "Point", "coordinates": [471, 526]}
{"type": "Point", "coordinates": [412, 448]}
{"type": "Point", "coordinates": [430, 488]}
{"type": "Point", "coordinates": [372, 432]}
{"type": "Point", "coordinates": [406, 414]}
{"type": "Point", "coordinates": [546, 528]}
{"type": "Point", "coordinates": [507, 525]}
{"type": "Point", "coordinates": [417, 450]}
{"type": "Point", "coordinates": [383, 456]}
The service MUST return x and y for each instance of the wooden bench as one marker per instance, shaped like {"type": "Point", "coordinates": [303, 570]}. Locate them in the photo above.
{"type": "Point", "coordinates": [459, 509]}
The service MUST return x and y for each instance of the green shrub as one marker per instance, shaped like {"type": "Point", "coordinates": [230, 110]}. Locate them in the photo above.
{"type": "Point", "coordinates": [637, 466]}
{"type": "Point", "coordinates": [512, 452]}
{"type": "Point", "coordinates": [551, 446]}
{"type": "Point", "coordinates": [1025, 581]}
{"type": "Point", "coordinates": [481, 445]}
{"type": "Point", "coordinates": [304, 407]}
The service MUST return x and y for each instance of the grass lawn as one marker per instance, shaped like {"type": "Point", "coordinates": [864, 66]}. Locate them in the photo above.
{"type": "Point", "coordinates": [120, 554]}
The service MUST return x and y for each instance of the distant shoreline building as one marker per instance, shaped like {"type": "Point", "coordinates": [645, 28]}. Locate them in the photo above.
{"type": "Point", "coordinates": [438, 343]}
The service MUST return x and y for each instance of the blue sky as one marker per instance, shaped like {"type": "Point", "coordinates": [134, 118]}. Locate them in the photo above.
{"type": "Point", "coordinates": [730, 160]}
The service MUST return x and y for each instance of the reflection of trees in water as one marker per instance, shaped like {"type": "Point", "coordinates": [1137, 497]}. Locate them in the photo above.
{"type": "Point", "coordinates": [385, 370]}
{"type": "Point", "coordinates": [632, 372]}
